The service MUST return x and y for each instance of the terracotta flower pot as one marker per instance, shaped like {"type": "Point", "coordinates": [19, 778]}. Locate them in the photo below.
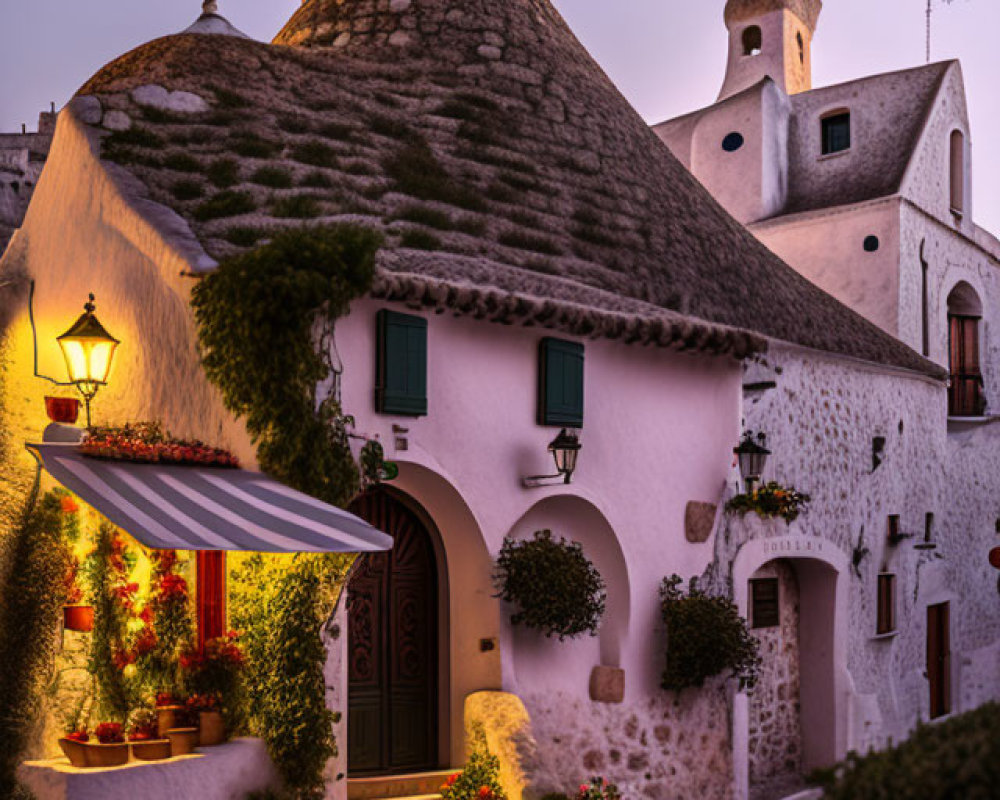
{"type": "Point", "coordinates": [183, 741]}
{"type": "Point", "coordinates": [151, 749]}
{"type": "Point", "coordinates": [75, 751]}
{"type": "Point", "coordinates": [165, 716]}
{"type": "Point", "coordinates": [107, 755]}
{"type": "Point", "coordinates": [78, 618]}
{"type": "Point", "coordinates": [213, 729]}
{"type": "Point", "coordinates": [64, 410]}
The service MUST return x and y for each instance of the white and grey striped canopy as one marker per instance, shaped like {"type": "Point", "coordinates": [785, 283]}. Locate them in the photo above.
{"type": "Point", "coordinates": [208, 508]}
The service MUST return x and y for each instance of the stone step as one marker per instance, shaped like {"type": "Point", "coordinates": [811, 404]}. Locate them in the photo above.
{"type": "Point", "coordinates": [418, 786]}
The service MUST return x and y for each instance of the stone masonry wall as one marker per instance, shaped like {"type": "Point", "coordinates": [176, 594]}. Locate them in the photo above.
{"type": "Point", "coordinates": [664, 747]}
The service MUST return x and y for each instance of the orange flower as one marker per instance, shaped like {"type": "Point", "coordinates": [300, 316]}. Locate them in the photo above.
{"type": "Point", "coordinates": [68, 505]}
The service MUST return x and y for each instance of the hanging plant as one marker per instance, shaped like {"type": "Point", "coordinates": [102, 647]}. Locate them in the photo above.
{"type": "Point", "coordinates": [706, 636]}
{"type": "Point", "coordinates": [260, 316]}
{"type": "Point", "coordinates": [552, 584]}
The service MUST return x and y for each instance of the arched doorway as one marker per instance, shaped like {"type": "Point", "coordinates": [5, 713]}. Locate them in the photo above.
{"type": "Point", "coordinates": [392, 607]}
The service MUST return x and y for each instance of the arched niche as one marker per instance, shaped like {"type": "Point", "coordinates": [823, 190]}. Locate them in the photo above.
{"type": "Point", "coordinates": [964, 301]}
{"type": "Point", "coordinates": [753, 41]}
{"type": "Point", "coordinates": [965, 392]}
{"type": "Point", "coordinates": [531, 659]}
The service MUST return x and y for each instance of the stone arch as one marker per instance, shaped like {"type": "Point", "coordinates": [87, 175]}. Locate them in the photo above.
{"type": "Point", "coordinates": [528, 656]}
{"type": "Point", "coordinates": [821, 571]}
{"type": "Point", "coordinates": [964, 300]}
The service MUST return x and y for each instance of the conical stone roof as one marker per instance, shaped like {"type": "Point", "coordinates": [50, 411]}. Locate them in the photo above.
{"type": "Point", "coordinates": [511, 178]}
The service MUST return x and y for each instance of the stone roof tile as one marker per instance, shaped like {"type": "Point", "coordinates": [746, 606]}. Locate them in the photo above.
{"type": "Point", "coordinates": [502, 164]}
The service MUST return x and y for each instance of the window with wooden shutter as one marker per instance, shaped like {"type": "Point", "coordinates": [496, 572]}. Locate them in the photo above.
{"type": "Point", "coordinates": [886, 617]}
{"type": "Point", "coordinates": [560, 383]}
{"type": "Point", "coordinates": [764, 597]}
{"type": "Point", "coordinates": [401, 369]}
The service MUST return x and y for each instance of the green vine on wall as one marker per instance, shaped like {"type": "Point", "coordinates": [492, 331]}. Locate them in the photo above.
{"type": "Point", "coordinates": [260, 320]}
{"type": "Point", "coordinates": [33, 565]}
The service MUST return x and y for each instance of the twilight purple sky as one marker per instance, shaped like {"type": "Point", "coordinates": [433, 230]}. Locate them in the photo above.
{"type": "Point", "coordinates": [667, 56]}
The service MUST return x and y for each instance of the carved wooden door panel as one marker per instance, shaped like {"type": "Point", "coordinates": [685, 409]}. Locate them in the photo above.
{"type": "Point", "coordinates": [393, 647]}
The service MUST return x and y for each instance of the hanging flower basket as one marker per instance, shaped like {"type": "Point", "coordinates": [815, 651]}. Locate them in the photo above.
{"type": "Point", "coordinates": [78, 618]}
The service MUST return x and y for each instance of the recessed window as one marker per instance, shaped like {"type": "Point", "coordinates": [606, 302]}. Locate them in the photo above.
{"type": "Point", "coordinates": [732, 142]}
{"type": "Point", "coordinates": [802, 47]}
{"type": "Point", "coordinates": [966, 397]}
{"type": "Point", "coordinates": [764, 597]}
{"type": "Point", "coordinates": [753, 41]}
{"type": "Point", "coordinates": [836, 131]}
{"type": "Point", "coordinates": [401, 364]}
{"type": "Point", "coordinates": [871, 244]}
{"type": "Point", "coordinates": [886, 617]}
{"type": "Point", "coordinates": [560, 383]}
{"type": "Point", "coordinates": [957, 172]}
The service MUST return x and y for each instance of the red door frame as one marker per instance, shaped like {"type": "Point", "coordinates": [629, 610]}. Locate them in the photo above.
{"type": "Point", "coordinates": [211, 603]}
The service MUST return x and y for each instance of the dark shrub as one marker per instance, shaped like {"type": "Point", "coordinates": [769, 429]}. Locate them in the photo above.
{"type": "Point", "coordinates": [187, 190]}
{"type": "Point", "coordinates": [420, 240]}
{"type": "Point", "coordinates": [182, 162]}
{"type": "Point", "coordinates": [299, 206]}
{"type": "Point", "coordinates": [224, 172]}
{"type": "Point", "coordinates": [275, 177]}
{"type": "Point", "coordinates": [706, 636]}
{"type": "Point", "coordinates": [315, 154]}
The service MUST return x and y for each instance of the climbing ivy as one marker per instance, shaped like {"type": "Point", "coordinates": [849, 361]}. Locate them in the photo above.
{"type": "Point", "coordinates": [279, 605]}
{"type": "Point", "coordinates": [33, 564]}
{"type": "Point", "coordinates": [261, 320]}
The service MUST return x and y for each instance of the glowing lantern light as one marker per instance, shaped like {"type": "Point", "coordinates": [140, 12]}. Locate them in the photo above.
{"type": "Point", "coordinates": [88, 349]}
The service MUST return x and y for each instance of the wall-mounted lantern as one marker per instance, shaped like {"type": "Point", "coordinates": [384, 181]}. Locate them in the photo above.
{"type": "Point", "coordinates": [752, 456]}
{"type": "Point", "coordinates": [565, 449]}
{"type": "Point", "coordinates": [88, 349]}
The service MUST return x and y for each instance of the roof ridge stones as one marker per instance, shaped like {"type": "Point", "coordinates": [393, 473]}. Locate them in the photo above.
{"type": "Point", "coordinates": [489, 148]}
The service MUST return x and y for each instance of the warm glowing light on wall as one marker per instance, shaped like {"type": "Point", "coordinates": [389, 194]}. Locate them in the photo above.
{"type": "Point", "coordinates": [89, 350]}
{"type": "Point", "coordinates": [565, 450]}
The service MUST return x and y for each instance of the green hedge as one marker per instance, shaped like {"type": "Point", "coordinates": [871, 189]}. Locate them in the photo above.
{"type": "Point", "coordinates": [958, 759]}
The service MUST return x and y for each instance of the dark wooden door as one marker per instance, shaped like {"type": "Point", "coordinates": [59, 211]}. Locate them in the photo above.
{"type": "Point", "coordinates": [965, 395]}
{"type": "Point", "coordinates": [939, 659]}
{"type": "Point", "coordinates": [393, 647]}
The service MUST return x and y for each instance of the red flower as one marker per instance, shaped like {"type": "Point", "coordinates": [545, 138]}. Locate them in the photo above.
{"type": "Point", "coordinates": [146, 642]}
{"type": "Point", "coordinates": [165, 699]}
{"type": "Point", "coordinates": [109, 733]}
{"type": "Point", "coordinates": [78, 736]}
{"type": "Point", "coordinates": [452, 778]}
{"type": "Point", "coordinates": [68, 505]}
{"type": "Point", "coordinates": [485, 793]}
{"type": "Point", "coordinates": [146, 615]}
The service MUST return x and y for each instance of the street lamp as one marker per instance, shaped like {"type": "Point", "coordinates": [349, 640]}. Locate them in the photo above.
{"type": "Point", "coordinates": [752, 456]}
{"type": "Point", "coordinates": [565, 449]}
{"type": "Point", "coordinates": [88, 349]}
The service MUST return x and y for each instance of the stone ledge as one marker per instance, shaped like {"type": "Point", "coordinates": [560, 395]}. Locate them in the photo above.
{"type": "Point", "coordinates": [230, 770]}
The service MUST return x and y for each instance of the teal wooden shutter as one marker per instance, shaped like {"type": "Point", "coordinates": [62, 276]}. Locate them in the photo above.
{"type": "Point", "coordinates": [560, 383]}
{"type": "Point", "coordinates": [401, 370]}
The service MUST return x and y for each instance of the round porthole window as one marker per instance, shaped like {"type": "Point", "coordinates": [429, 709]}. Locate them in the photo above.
{"type": "Point", "coordinates": [871, 244]}
{"type": "Point", "coordinates": [732, 142]}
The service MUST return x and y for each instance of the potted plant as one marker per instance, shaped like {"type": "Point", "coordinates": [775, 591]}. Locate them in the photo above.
{"type": "Point", "coordinates": [167, 706]}
{"type": "Point", "coordinates": [184, 738]}
{"type": "Point", "coordinates": [598, 789]}
{"type": "Point", "coordinates": [74, 747]}
{"type": "Point", "coordinates": [145, 739]}
{"type": "Point", "coordinates": [211, 728]}
{"type": "Point", "coordinates": [214, 680]}
{"type": "Point", "coordinates": [77, 615]}
{"type": "Point", "coordinates": [111, 749]}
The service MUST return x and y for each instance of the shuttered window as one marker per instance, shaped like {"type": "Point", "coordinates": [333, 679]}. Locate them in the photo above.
{"type": "Point", "coordinates": [886, 622]}
{"type": "Point", "coordinates": [401, 369]}
{"type": "Point", "coordinates": [560, 383]}
{"type": "Point", "coordinates": [764, 596]}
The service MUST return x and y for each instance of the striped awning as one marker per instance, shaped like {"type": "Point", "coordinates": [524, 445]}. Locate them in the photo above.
{"type": "Point", "coordinates": [207, 508]}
